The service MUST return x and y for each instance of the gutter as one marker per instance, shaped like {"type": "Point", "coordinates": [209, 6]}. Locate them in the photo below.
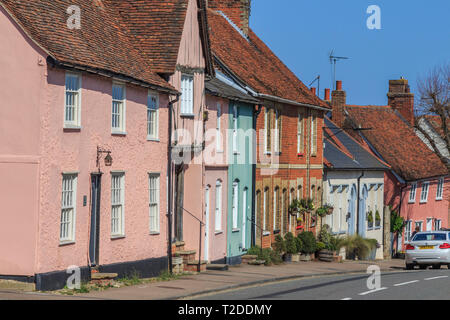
{"type": "Point", "coordinates": [358, 202]}
{"type": "Point", "coordinates": [291, 102]}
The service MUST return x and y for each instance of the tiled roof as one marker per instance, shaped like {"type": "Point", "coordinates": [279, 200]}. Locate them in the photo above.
{"type": "Point", "coordinates": [396, 142]}
{"type": "Point", "coordinates": [100, 44]}
{"type": "Point", "coordinates": [221, 89]}
{"type": "Point", "coordinates": [436, 123]}
{"type": "Point", "coordinates": [255, 64]}
{"type": "Point", "coordinates": [342, 152]}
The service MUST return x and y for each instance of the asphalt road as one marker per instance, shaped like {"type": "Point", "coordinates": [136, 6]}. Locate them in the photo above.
{"type": "Point", "coordinates": [400, 285]}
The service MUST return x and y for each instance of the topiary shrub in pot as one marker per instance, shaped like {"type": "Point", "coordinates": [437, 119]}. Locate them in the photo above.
{"type": "Point", "coordinates": [308, 245]}
{"type": "Point", "coordinates": [279, 246]}
{"type": "Point", "coordinates": [291, 248]}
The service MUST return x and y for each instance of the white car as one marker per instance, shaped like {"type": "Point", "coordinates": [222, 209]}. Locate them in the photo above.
{"type": "Point", "coordinates": [431, 248]}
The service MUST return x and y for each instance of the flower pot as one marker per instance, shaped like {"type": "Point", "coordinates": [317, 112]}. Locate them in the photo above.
{"type": "Point", "coordinates": [326, 255]}
{"type": "Point", "coordinates": [296, 257]}
{"type": "Point", "coordinates": [287, 257]}
{"type": "Point", "coordinates": [305, 257]}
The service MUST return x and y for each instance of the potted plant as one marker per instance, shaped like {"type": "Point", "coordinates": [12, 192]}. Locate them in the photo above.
{"type": "Point", "coordinates": [377, 219]}
{"type": "Point", "coordinates": [294, 208]}
{"type": "Point", "coordinates": [308, 245]}
{"type": "Point", "coordinates": [329, 208]}
{"type": "Point", "coordinates": [322, 212]}
{"type": "Point", "coordinates": [291, 248]}
{"type": "Point", "coordinates": [370, 219]}
{"type": "Point", "coordinates": [279, 246]}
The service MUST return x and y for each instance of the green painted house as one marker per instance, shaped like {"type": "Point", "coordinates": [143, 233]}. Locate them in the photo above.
{"type": "Point", "coordinates": [241, 141]}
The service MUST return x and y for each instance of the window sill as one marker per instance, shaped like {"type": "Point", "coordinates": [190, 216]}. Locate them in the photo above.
{"type": "Point", "coordinates": [155, 233]}
{"type": "Point", "coordinates": [236, 153]}
{"type": "Point", "coordinates": [268, 153]}
{"type": "Point", "coordinates": [236, 230]}
{"type": "Point", "coordinates": [411, 202]}
{"type": "Point", "coordinates": [423, 202]}
{"type": "Point", "coordinates": [439, 199]}
{"type": "Point", "coordinates": [217, 233]}
{"type": "Point", "coordinates": [187, 115]}
{"type": "Point", "coordinates": [153, 139]}
{"type": "Point", "coordinates": [266, 233]}
{"type": "Point", "coordinates": [118, 133]}
{"type": "Point", "coordinates": [219, 151]}
{"type": "Point", "coordinates": [66, 243]}
{"type": "Point", "coordinates": [117, 237]}
{"type": "Point", "coordinates": [68, 127]}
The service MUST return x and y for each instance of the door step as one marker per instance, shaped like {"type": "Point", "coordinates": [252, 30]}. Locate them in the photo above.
{"type": "Point", "coordinates": [192, 266]}
{"type": "Point", "coordinates": [103, 279]}
{"type": "Point", "coordinates": [217, 267]}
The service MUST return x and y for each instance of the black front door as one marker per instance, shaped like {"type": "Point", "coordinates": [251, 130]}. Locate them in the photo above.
{"type": "Point", "coordinates": [94, 240]}
{"type": "Point", "coordinates": [179, 195]}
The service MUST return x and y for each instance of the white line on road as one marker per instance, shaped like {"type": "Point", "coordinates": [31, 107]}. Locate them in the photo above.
{"type": "Point", "coordinates": [405, 283]}
{"type": "Point", "coordinates": [436, 278]}
{"type": "Point", "coordinates": [372, 291]}
{"type": "Point", "coordinates": [346, 299]}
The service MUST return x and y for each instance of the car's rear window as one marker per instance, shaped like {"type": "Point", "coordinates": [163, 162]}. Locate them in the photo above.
{"type": "Point", "coordinates": [430, 237]}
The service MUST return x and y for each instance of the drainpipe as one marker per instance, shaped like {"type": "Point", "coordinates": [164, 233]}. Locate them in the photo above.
{"type": "Point", "coordinates": [358, 201]}
{"type": "Point", "coordinates": [256, 113]}
{"type": "Point", "coordinates": [169, 174]}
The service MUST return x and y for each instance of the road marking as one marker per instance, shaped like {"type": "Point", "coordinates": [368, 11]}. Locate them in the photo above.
{"type": "Point", "coordinates": [405, 283]}
{"type": "Point", "coordinates": [436, 278]}
{"type": "Point", "coordinates": [346, 299]}
{"type": "Point", "coordinates": [372, 291]}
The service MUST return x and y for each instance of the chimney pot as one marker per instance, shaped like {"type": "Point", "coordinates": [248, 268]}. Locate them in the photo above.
{"type": "Point", "coordinates": [313, 90]}
{"type": "Point", "coordinates": [339, 85]}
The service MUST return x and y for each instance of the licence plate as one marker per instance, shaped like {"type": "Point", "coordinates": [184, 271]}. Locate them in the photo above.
{"type": "Point", "coordinates": [426, 247]}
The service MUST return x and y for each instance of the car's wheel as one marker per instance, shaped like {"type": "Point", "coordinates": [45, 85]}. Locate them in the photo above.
{"type": "Point", "coordinates": [423, 267]}
{"type": "Point", "coordinates": [409, 266]}
{"type": "Point", "coordinates": [436, 266]}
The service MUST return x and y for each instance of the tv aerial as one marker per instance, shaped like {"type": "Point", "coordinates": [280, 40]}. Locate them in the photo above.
{"type": "Point", "coordinates": [333, 61]}
{"type": "Point", "coordinates": [317, 79]}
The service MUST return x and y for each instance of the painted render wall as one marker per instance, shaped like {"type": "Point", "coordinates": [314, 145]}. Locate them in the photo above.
{"type": "Point", "coordinates": [21, 93]}
{"type": "Point", "coordinates": [191, 60]}
{"type": "Point", "coordinates": [240, 169]}
{"type": "Point", "coordinates": [216, 169]}
{"type": "Point", "coordinates": [75, 151]}
{"type": "Point", "coordinates": [338, 220]}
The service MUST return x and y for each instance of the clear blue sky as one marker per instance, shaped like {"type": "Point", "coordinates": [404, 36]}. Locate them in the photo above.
{"type": "Point", "coordinates": [415, 36]}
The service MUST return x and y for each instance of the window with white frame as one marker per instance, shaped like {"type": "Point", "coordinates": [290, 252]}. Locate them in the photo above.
{"type": "Point", "coordinates": [235, 203]}
{"type": "Point", "coordinates": [313, 134]}
{"type": "Point", "coordinates": [152, 116]}
{"type": "Point", "coordinates": [118, 108]}
{"type": "Point", "coordinates": [154, 202]}
{"type": "Point", "coordinates": [268, 130]}
{"type": "Point", "coordinates": [275, 208]}
{"type": "Point", "coordinates": [68, 208]}
{"type": "Point", "coordinates": [72, 109]}
{"type": "Point", "coordinates": [440, 189]}
{"type": "Point", "coordinates": [424, 193]}
{"type": "Point", "coordinates": [277, 131]}
{"type": "Point", "coordinates": [117, 204]}
{"type": "Point", "coordinates": [235, 129]}
{"type": "Point", "coordinates": [437, 224]}
{"type": "Point", "coordinates": [300, 130]}
{"type": "Point", "coordinates": [412, 193]}
{"type": "Point", "coordinates": [419, 225]}
{"type": "Point", "coordinates": [218, 128]}
{"type": "Point", "coordinates": [265, 209]}
{"type": "Point", "coordinates": [187, 94]}
{"type": "Point", "coordinates": [429, 224]}
{"type": "Point", "coordinates": [218, 209]}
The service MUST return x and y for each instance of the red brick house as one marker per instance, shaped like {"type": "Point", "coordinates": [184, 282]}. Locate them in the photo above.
{"type": "Point", "coordinates": [418, 184]}
{"type": "Point", "coordinates": [288, 121]}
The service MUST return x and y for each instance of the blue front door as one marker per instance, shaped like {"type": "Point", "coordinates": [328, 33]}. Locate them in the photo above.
{"type": "Point", "coordinates": [362, 212]}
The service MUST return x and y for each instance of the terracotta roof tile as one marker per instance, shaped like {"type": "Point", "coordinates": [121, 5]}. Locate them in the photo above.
{"type": "Point", "coordinates": [255, 64]}
{"type": "Point", "coordinates": [101, 43]}
{"type": "Point", "coordinates": [396, 142]}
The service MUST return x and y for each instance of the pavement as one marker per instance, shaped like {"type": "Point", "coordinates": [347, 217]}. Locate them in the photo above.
{"type": "Point", "coordinates": [214, 282]}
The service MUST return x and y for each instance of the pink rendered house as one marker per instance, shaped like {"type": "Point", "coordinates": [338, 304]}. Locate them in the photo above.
{"type": "Point", "coordinates": [83, 147]}
{"type": "Point", "coordinates": [417, 186]}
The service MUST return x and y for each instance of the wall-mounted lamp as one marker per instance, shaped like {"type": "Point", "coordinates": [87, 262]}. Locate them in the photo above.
{"type": "Point", "coordinates": [108, 158]}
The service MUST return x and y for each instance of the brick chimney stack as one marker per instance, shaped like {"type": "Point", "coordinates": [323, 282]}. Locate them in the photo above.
{"type": "Point", "coordinates": [237, 10]}
{"type": "Point", "coordinates": [400, 98]}
{"type": "Point", "coordinates": [338, 102]}
{"type": "Point", "coordinates": [313, 90]}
